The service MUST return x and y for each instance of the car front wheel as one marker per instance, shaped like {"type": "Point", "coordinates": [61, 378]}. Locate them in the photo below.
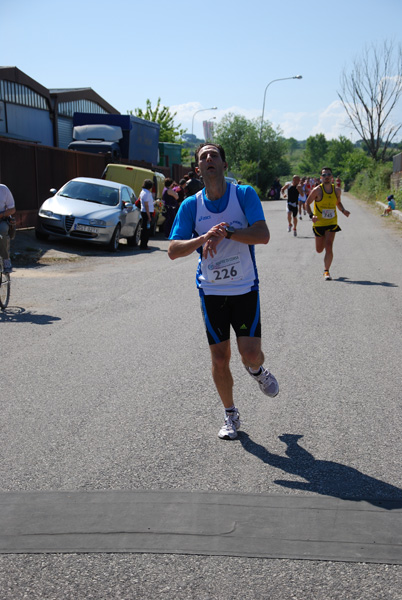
{"type": "Point", "coordinates": [114, 242]}
{"type": "Point", "coordinates": [135, 240]}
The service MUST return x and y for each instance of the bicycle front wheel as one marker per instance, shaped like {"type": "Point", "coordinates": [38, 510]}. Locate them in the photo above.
{"type": "Point", "coordinates": [4, 290]}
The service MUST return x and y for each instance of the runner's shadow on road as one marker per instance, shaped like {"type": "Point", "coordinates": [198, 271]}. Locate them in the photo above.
{"type": "Point", "coordinates": [17, 314]}
{"type": "Point", "coordinates": [324, 477]}
{"type": "Point", "coordinates": [382, 283]}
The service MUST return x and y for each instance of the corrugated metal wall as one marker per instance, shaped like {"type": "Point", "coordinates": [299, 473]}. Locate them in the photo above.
{"type": "Point", "coordinates": [64, 131]}
{"type": "Point", "coordinates": [30, 123]}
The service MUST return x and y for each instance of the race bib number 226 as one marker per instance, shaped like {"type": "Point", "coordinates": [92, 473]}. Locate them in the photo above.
{"type": "Point", "coordinates": [225, 270]}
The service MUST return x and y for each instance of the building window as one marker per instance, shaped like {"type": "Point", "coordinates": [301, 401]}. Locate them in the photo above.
{"type": "Point", "coordinates": [21, 94]}
{"type": "Point", "coordinates": [67, 109]}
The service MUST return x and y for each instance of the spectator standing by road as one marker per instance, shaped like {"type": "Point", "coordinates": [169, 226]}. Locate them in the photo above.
{"type": "Point", "coordinates": [147, 209]}
{"type": "Point", "coordinates": [327, 199]}
{"type": "Point", "coordinates": [7, 212]}
{"type": "Point", "coordinates": [223, 222]}
{"type": "Point", "coordinates": [170, 201]}
{"type": "Point", "coordinates": [294, 189]}
{"type": "Point", "coordinates": [193, 185]}
{"type": "Point", "coordinates": [277, 188]}
{"type": "Point", "coordinates": [179, 189]}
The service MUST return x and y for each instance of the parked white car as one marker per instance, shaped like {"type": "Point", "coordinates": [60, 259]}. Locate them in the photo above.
{"type": "Point", "coordinates": [94, 210]}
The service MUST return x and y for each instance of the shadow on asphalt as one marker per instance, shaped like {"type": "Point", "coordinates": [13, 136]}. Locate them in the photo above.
{"type": "Point", "coordinates": [324, 477]}
{"type": "Point", "coordinates": [17, 314]}
{"type": "Point", "coordinates": [382, 283]}
{"type": "Point", "coordinates": [28, 252]}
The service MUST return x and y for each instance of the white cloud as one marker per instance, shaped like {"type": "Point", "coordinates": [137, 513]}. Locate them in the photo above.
{"type": "Point", "coordinates": [186, 112]}
{"type": "Point", "coordinates": [294, 124]}
{"type": "Point", "coordinates": [332, 120]}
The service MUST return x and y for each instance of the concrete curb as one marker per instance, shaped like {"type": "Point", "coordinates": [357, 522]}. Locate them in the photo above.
{"type": "Point", "coordinates": [395, 213]}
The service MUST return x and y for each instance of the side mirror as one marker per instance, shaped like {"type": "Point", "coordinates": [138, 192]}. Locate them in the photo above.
{"type": "Point", "coordinates": [53, 191]}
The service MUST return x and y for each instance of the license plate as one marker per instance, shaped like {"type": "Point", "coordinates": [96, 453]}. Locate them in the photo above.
{"type": "Point", "coordinates": [86, 228]}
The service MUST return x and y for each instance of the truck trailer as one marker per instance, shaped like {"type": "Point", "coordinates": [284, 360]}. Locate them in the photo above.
{"type": "Point", "coordinates": [123, 136]}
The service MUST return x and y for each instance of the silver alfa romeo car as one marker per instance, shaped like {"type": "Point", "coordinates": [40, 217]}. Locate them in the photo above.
{"type": "Point", "coordinates": [94, 210]}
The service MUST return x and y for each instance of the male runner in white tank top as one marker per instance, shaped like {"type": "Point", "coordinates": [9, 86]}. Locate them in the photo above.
{"type": "Point", "coordinates": [223, 222]}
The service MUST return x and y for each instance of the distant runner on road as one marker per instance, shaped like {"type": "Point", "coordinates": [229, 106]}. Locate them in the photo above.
{"type": "Point", "coordinates": [294, 189]}
{"type": "Point", "coordinates": [327, 199]}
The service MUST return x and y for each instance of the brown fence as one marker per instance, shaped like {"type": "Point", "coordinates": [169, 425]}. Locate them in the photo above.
{"type": "Point", "coordinates": [178, 171]}
{"type": "Point", "coordinates": [31, 170]}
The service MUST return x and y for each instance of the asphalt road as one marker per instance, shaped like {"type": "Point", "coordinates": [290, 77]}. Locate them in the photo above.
{"type": "Point", "coordinates": [106, 386]}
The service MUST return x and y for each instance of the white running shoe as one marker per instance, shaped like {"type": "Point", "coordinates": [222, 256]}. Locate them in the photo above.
{"type": "Point", "coordinates": [267, 382]}
{"type": "Point", "coordinates": [295, 232]}
{"type": "Point", "coordinates": [232, 423]}
{"type": "Point", "coordinates": [289, 228]}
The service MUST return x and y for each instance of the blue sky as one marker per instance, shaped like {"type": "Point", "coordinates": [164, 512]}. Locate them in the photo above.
{"type": "Point", "coordinates": [199, 55]}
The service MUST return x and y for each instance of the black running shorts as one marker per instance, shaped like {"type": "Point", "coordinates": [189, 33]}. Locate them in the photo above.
{"type": "Point", "coordinates": [292, 209]}
{"type": "Point", "coordinates": [320, 231]}
{"type": "Point", "coordinates": [241, 312]}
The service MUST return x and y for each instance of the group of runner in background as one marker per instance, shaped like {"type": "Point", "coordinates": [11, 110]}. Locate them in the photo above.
{"type": "Point", "coordinates": [325, 194]}
{"type": "Point", "coordinates": [306, 185]}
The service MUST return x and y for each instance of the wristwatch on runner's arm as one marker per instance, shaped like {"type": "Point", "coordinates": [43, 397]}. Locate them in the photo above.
{"type": "Point", "coordinates": [229, 231]}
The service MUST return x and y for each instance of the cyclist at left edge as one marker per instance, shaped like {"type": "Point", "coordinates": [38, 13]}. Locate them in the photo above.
{"type": "Point", "coordinates": [7, 211]}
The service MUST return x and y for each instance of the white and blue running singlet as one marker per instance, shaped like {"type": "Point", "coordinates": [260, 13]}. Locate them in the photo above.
{"type": "Point", "coordinates": [232, 271]}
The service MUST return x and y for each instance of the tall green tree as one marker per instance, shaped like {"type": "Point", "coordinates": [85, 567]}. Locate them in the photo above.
{"type": "Point", "coordinates": [293, 145]}
{"type": "Point", "coordinates": [237, 135]}
{"type": "Point", "coordinates": [315, 154]}
{"type": "Point", "coordinates": [337, 149]}
{"type": "Point", "coordinates": [353, 163]}
{"type": "Point", "coordinates": [240, 138]}
{"type": "Point", "coordinates": [169, 131]}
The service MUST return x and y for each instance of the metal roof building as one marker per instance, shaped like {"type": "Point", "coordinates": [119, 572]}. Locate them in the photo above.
{"type": "Point", "coordinates": [31, 112]}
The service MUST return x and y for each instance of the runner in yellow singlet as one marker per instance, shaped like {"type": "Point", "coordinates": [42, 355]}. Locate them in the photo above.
{"type": "Point", "coordinates": [327, 199]}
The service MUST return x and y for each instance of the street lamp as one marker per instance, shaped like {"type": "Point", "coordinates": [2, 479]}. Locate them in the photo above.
{"type": "Point", "coordinates": [201, 110]}
{"type": "Point", "coordinates": [262, 117]}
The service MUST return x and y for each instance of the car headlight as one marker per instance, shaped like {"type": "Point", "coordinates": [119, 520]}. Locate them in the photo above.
{"type": "Point", "coordinates": [97, 222]}
{"type": "Point", "coordinates": [48, 213]}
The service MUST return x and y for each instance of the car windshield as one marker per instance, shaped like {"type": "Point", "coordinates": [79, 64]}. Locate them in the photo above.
{"type": "Point", "coordinates": [91, 192]}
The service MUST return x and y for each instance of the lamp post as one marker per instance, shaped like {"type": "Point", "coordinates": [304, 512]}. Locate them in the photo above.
{"type": "Point", "coordinates": [196, 112]}
{"type": "Point", "coordinates": [262, 118]}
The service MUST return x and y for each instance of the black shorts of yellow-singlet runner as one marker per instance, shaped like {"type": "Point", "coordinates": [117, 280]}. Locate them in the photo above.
{"type": "Point", "coordinates": [320, 231]}
{"type": "Point", "coordinates": [241, 312]}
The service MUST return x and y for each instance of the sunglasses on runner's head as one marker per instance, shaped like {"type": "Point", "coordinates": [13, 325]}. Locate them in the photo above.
{"type": "Point", "coordinates": [326, 175]}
